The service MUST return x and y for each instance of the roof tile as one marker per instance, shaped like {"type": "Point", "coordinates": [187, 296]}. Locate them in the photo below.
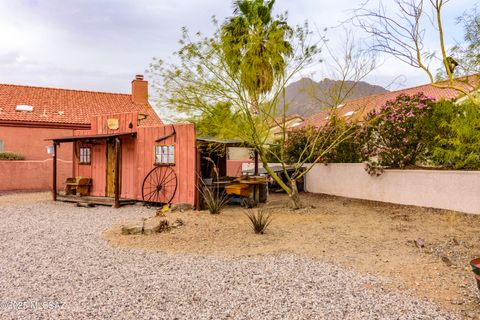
{"type": "Point", "coordinates": [65, 106]}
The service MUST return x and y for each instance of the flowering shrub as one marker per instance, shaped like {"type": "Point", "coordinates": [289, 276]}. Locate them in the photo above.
{"type": "Point", "coordinates": [397, 135]}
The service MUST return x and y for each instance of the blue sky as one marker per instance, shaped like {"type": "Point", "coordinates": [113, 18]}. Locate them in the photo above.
{"type": "Point", "coordinates": [100, 45]}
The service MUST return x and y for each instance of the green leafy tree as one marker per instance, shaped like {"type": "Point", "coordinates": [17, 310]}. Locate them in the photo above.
{"type": "Point", "coordinates": [217, 70]}
{"type": "Point", "coordinates": [206, 122]}
{"type": "Point", "coordinates": [457, 136]}
{"type": "Point", "coordinates": [347, 150]}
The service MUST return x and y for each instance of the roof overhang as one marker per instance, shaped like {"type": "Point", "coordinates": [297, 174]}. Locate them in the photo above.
{"type": "Point", "coordinates": [95, 137]}
{"type": "Point", "coordinates": [226, 142]}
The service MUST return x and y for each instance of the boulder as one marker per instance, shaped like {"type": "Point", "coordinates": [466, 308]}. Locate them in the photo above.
{"type": "Point", "coordinates": [132, 228]}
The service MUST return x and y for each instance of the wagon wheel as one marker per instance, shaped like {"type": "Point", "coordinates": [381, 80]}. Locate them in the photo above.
{"type": "Point", "coordinates": [159, 185]}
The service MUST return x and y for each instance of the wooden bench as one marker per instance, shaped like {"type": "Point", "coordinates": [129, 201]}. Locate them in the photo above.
{"type": "Point", "coordinates": [79, 186]}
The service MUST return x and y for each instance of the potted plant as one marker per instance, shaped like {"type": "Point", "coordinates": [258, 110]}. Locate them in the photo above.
{"type": "Point", "coordinates": [475, 265]}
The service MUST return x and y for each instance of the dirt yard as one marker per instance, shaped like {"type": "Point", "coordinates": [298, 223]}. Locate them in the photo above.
{"type": "Point", "coordinates": [369, 237]}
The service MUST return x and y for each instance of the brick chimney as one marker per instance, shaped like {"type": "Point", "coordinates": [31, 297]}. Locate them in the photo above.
{"type": "Point", "coordinates": [139, 89]}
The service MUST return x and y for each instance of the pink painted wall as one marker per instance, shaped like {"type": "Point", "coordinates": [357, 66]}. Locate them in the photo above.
{"type": "Point", "coordinates": [35, 172]}
{"type": "Point", "coordinates": [442, 189]}
{"type": "Point", "coordinates": [31, 142]}
{"type": "Point", "coordinates": [138, 157]}
{"type": "Point", "coordinates": [32, 174]}
{"type": "Point", "coordinates": [234, 167]}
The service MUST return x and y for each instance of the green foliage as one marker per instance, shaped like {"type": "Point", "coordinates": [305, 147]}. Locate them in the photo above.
{"type": "Point", "coordinates": [336, 142]}
{"type": "Point", "coordinates": [11, 156]}
{"type": "Point", "coordinates": [256, 44]}
{"type": "Point", "coordinates": [207, 124]}
{"type": "Point", "coordinates": [457, 141]}
{"type": "Point", "coordinates": [397, 135]}
{"type": "Point", "coordinates": [259, 219]}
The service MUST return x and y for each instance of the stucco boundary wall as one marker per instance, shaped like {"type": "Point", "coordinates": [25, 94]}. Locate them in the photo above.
{"type": "Point", "coordinates": [33, 174]}
{"type": "Point", "coordinates": [442, 189]}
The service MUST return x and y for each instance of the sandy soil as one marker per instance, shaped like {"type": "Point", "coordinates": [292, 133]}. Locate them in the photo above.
{"type": "Point", "coordinates": [366, 236]}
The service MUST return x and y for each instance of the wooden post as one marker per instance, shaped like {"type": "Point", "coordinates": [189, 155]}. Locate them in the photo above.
{"type": "Point", "coordinates": [256, 163]}
{"type": "Point", "coordinates": [197, 179]}
{"type": "Point", "coordinates": [117, 173]}
{"type": "Point", "coordinates": [54, 188]}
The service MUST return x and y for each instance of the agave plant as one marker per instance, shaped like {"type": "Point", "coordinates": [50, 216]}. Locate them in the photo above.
{"type": "Point", "coordinates": [259, 219]}
{"type": "Point", "coordinates": [215, 200]}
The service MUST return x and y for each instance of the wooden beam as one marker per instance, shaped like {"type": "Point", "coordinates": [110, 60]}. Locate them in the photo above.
{"type": "Point", "coordinates": [117, 173]}
{"type": "Point", "coordinates": [54, 182]}
{"type": "Point", "coordinates": [256, 163]}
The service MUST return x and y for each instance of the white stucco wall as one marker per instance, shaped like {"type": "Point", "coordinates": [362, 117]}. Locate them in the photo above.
{"type": "Point", "coordinates": [452, 190]}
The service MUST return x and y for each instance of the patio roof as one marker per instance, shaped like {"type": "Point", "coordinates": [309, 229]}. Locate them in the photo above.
{"type": "Point", "coordinates": [92, 137]}
{"type": "Point", "coordinates": [230, 142]}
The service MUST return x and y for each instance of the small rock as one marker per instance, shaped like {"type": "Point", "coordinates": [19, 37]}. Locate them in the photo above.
{"type": "Point", "coordinates": [85, 205]}
{"type": "Point", "coordinates": [178, 223]}
{"type": "Point", "coordinates": [181, 207]}
{"type": "Point", "coordinates": [132, 229]}
{"type": "Point", "coordinates": [420, 243]}
{"type": "Point", "coordinates": [447, 261]}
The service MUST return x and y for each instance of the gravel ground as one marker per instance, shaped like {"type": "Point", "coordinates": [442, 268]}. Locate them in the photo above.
{"type": "Point", "coordinates": [53, 260]}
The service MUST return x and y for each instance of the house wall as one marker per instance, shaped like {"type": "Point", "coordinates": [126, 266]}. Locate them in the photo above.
{"type": "Point", "coordinates": [138, 157]}
{"type": "Point", "coordinates": [35, 172]}
{"type": "Point", "coordinates": [185, 158]}
{"type": "Point", "coordinates": [452, 190]}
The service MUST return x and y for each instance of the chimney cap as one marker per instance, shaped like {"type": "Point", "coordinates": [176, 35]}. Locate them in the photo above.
{"type": "Point", "coordinates": [139, 77]}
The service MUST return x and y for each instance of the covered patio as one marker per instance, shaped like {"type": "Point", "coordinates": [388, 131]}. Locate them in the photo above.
{"type": "Point", "coordinates": [113, 147]}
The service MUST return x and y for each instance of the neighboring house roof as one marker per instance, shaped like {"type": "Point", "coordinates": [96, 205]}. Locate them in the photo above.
{"type": "Point", "coordinates": [288, 120]}
{"type": "Point", "coordinates": [65, 107]}
{"type": "Point", "coordinates": [358, 108]}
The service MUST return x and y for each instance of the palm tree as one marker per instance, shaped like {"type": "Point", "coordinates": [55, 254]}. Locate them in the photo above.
{"type": "Point", "coordinates": [255, 45]}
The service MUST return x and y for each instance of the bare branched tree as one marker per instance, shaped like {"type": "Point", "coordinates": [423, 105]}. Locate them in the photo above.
{"type": "Point", "coordinates": [401, 34]}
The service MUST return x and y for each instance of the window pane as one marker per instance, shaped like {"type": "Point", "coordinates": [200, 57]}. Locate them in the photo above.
{"type": "Point", "coordinates": [171, 154]}
{"type": "Point", "coordinates": [1, 145]}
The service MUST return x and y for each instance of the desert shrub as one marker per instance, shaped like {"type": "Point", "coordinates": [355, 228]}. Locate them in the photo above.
{"type": "Point", "coordinates": [214, 199]}
{"type": "Point", "coordinates": [302, 142]}
{"type": "Point", "coordinates": [397, 135]}
{"type": "Point", "coordinates": [456, 144]}
{"type": "Point", "coordinates": [259, 219]}
{"type": "Point", "coordinates": [11, 156]}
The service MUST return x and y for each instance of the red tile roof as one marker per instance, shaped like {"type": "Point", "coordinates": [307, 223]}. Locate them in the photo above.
{"type": "Point", "coordinates": [66, 107]}
{"type": "Point", "coordinates": [358, 108]}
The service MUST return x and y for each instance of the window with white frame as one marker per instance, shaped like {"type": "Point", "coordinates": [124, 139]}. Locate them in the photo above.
{"type": "Point", "coordinates": [1, 145]}
{"type": "Point", "coordinates": [85, 155]}
{"type": "Point", "coordinates": [164, 154]}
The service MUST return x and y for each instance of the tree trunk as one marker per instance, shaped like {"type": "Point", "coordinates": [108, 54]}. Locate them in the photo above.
{"type": "Point", "coordinates": [295, 202]}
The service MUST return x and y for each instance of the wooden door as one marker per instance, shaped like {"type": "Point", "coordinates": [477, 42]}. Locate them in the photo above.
{"type": "Point", "coordinates": [111, 163]}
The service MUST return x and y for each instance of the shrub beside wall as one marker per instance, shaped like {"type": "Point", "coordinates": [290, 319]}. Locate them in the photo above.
{"type": "Point", "coordinates": [410, 131]}
{"type": "Point", "coordinates": [11, 156]}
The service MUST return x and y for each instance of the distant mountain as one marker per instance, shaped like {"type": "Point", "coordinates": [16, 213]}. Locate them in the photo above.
{"type": "Point", "coordinates": [307, 97]}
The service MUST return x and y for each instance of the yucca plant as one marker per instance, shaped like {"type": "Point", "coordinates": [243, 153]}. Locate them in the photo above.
{"type": "Point", "coordinates": [215, 200]}
{"type": "Point", "coordinates": [259, 219]}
